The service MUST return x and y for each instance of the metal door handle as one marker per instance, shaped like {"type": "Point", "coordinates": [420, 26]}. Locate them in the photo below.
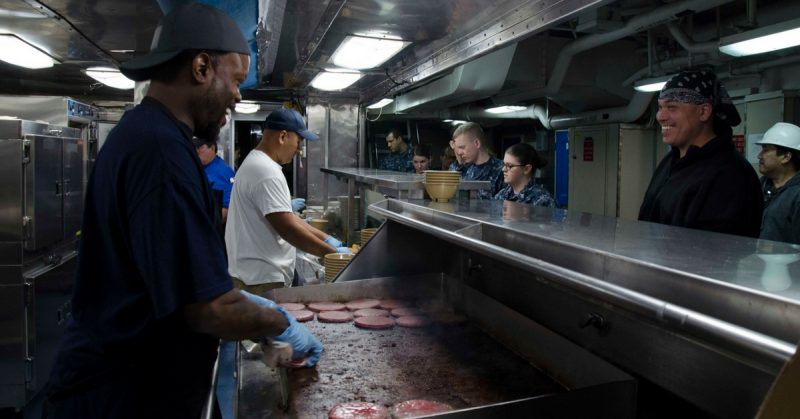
{"type": "Point", "coordinates": [67, 189]}
{"type": "Point", "coordinates": [58, 188]}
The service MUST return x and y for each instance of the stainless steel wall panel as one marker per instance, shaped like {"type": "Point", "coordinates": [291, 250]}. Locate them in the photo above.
{"type": "Point", "coordinates": [337, 125]}
{"type": "Point", "coordinates": [316, 153]}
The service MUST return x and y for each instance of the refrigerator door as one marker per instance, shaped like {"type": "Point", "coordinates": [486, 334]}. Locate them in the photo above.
{"type": "Point", "coordinates": [72, 186]}
{"type": "Point", "coordinates": [11, 192]}
{"type": "Point", "coordinates": [43, 192]}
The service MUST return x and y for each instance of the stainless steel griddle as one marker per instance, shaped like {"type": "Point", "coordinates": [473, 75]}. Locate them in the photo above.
{"type": "Point", "coordinates": [460, 363]}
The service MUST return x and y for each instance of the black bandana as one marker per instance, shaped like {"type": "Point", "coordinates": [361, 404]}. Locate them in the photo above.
{"type": "Point", "coordinates": [698, 87]}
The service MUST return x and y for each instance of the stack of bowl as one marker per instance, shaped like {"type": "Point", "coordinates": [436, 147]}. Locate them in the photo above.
{"type": "Point", "coordinates": [366, 234]}
{"type": "Point", "coordinates": [441, 185]}
{"type": "Point", "coordinates": [319, 223]}
{"type": "Point", "coordinates": [334, 263]}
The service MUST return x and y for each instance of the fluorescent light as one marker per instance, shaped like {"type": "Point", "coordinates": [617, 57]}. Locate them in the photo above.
{"type": "Point", "coordinates": [110, 77]}
{"type": "Point", "coordinates": [458, 122]}
{"type": "Point", "coordinates": [334, 80]}
{"type": "Point", "coordinates": [506, 109]}
{"type": "Point", "coordinates": [447, 120]}
{"type": "Point", "coordinates": [653, 84]}
{"type": "Point", "coordinates": [359, 52]}
{"type": "Point", "coordinates": [768, 38]}
{"type": "Point", "coordinates": [247, 107]}
{"type": "Point", "coordinates": [381, 103]}
{"type": "Point", "coordinates": [15, 51]}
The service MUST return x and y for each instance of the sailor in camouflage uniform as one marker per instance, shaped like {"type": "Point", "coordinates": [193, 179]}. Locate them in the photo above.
{"type": "Point", "coordinates": [519, 165]}
{"type": "Point", "coordinates": [400, 154]}
{"type": "Point", "coordinates": [470, 145]}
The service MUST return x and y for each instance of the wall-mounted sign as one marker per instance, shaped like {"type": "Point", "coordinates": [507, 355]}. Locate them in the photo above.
{"type": "Point", "coordinates": [588, 149]}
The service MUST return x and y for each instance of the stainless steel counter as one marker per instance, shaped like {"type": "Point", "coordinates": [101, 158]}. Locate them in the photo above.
{"type": "Point", "coordinates": [709, 317]}
{"type": "Point", "coordinates": [396, 184]}
{"type": "Point", "coordinates": [388, 183]}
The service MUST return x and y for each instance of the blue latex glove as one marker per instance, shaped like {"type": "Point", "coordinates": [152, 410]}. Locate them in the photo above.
{"type": "Point", "coordinates": [333, 242]}
{"type": "Point", "coordinates": [298, 204]}
{"type": "Point", "coordinates": [345, 250]}
{"type": "Point", "coordinates": [303, 342]}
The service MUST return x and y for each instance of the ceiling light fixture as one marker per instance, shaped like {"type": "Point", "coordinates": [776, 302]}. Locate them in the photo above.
{"type": "Point", "coordinates": [359, 52]}
{"type": "Point", "coordinates": [110, 77]}
{"type": "Point", "coordinates": [765, 39]}
{"type": "Point", "coordinates": [247, 107]}
{"type": "Point", "coordinates": [14, 50]}
{"type": "Point", "coordinates": [506, 109]}
{"type": "Point", "coordinates": [381, 103]}
{"type": "Point", "coordinates": [334, 80]}
{"type": "Point", "coordinates": [458, 122]}
{"type": "Point", "coordinates": [652, 84]}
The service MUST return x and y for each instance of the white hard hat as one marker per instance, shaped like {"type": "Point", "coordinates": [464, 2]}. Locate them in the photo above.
{"type": "Point", "coordinates": [782, 134]}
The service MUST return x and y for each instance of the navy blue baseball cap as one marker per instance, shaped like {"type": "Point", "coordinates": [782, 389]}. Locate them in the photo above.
{"type": "Point", "coordinates": [289, 120]}
{"type": "Point", "coordinates": [187, 27]}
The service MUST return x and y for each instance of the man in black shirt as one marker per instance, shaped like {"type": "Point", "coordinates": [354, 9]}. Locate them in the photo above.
{"type": "Point", "coordinates": [153, 295]}
{"type": "Point", "coordinates": [703, 182]}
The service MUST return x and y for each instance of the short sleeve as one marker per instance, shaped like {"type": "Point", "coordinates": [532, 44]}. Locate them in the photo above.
{"type": "Point", "coordinates": [271, 195]}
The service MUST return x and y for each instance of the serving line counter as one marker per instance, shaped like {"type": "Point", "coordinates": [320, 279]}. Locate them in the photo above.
{"type": "Point", "coordinates": [710, 318]}
{"type": "Point", "coordinates": [387, 183]}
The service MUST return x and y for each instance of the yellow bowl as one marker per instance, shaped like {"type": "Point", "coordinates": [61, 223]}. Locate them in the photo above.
{"type": "Point", "coordinates": [441, 192]}
{"type": "Point", "coordinates": [443, 179]}
{"type": "Point", "coordinates": [366, 234]}
{"type": "Point", "coordinates": [318, 223]}
{"type": "Point", "coordinates": [334, 263]}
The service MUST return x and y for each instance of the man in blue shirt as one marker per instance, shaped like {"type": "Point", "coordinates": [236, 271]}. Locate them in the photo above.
{"type": "Point", "coordinates": [400, 154]}
{"type": "Point", "coordinates": [470, 146]}
{"type": "Point", "coordinates": [220, 175]}
{"type": "Point", "coordinates": [152, 295]}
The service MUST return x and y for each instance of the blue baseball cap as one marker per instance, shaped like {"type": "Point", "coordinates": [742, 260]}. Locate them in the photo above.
{"type": "Point", "coordinates": [289, 120]}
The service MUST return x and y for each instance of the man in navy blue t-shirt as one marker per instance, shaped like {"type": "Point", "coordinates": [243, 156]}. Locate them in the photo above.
{"type": "Point", "coordinates": [152, 295]}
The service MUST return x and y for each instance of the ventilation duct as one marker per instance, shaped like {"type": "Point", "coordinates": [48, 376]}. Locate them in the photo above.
{"type": "Point", "coordinates": [468, 82]}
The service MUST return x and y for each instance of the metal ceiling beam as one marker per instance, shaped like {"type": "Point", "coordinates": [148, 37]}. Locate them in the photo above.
{"type": "Point", "coordinates": [325, 23]}
{"type": "Point", "coordinates": [522, 20]}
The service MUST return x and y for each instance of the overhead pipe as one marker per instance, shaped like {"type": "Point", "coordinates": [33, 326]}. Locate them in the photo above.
{"type": "Point", "coordinates": [637, 24]}
{"type": "Point", "coordinates": [688, 44]}
{"type": "Point", "coordinates": [641, 22]}
{"type": "Point", "coordinates": [667, 65]}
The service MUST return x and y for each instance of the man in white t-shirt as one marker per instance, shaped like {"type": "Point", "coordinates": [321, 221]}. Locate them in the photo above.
{"type": "Point", "coordinates": [262, 231]}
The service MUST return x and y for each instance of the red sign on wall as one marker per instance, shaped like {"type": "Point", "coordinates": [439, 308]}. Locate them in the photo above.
{"type": "Point", "coordinates": [588, 149]}
{"type": "Point", "coordinates": [738, 142]}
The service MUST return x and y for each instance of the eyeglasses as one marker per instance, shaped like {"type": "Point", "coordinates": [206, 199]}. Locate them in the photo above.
{"type": "Point", "coordinates": [507, 166]}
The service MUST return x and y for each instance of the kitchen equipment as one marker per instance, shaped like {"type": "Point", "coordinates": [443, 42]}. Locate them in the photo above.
{"type": "Point", "coordinates": [684, 309]}
{"type": "Point", "coordinates": [498, 364]}
{"type": "Point", "coordinates": [42, 203]}
{"type": "Point", "coordinates": [62, 111]}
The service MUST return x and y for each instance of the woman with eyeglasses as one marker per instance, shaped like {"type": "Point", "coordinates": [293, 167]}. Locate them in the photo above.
{"type": "Point", "coordinates": [519, 165]}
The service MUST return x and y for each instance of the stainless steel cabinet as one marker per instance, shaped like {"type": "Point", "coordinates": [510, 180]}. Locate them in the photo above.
{"type": "Point", "coordinates": [41, 205]}
{"type": "Point", "coordinates": [42, 182]}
